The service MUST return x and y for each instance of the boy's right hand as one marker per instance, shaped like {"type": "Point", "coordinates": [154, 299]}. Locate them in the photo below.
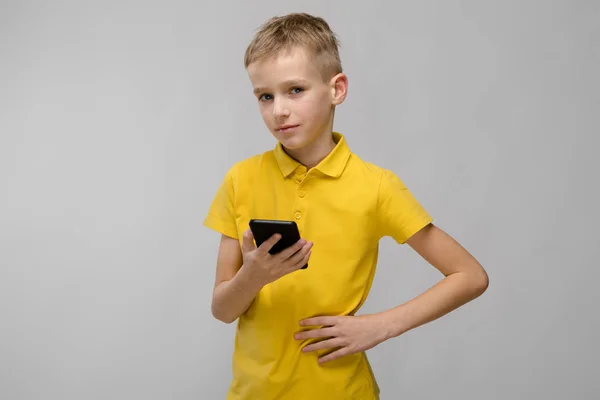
{"type": "Point", "coordinates": [263, 267]}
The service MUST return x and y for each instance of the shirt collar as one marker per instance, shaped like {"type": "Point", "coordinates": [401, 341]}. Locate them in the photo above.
{"type": "Point", "coordinates": [332, 165]}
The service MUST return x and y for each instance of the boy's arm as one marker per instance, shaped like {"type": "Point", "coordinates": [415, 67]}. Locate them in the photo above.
{"type": "Point", "coordinates": [233, 292]}
{"type": "Point", "coordinates": [242, 272]}
{"type": "Point", "coordinates": [465, 279]}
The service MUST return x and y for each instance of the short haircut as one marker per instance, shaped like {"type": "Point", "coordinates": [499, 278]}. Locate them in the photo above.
{"type": "Point", "coordinates": [303, 30]}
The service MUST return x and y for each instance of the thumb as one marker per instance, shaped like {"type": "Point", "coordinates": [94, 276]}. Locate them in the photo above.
{"type": "Point", "coordinates": [248, 241]}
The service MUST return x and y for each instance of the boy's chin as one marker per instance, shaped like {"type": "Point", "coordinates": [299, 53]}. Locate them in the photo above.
{"type": "Point", "coordinates": [292, 142]}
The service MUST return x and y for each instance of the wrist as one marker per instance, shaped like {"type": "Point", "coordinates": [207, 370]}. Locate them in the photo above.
{"type": "Point", "coordinates": [392, 322]}
{"type": "Point", "coordinates": [249, 280]}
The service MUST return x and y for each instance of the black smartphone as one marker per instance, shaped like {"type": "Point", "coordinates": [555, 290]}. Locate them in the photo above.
{"type": "Point", "coordinates": [263, 229]}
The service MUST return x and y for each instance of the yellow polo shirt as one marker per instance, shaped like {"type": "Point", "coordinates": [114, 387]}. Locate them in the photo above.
{"type": "Point", "coordinates": [345, 206]}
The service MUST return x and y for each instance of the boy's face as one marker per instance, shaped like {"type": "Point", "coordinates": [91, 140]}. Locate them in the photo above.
{"type": "Point", "coordinates": [295, 103]}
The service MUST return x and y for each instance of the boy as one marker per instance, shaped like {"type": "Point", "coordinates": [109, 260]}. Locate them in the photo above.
{"type": "Point", "coordinates": [297, 335]}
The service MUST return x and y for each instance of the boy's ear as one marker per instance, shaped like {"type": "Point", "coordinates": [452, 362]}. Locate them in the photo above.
{"type": "Point", "coordinates": [339, 88]}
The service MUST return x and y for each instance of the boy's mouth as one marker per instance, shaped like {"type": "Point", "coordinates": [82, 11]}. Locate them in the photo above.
{"type": "Point", "coordinates": [286, 128]}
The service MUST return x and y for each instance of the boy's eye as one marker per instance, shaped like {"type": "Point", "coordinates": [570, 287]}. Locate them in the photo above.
{"type": "Point", "coordinates": [267, 97]}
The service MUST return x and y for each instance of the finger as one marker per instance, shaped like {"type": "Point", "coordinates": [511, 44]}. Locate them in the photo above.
{"type": "Point", "coordinates": [291, 265]}
{"type": "Point", "coordinates": [303, 261]}
{"type": "Point", "coordinates": [314, 333]}
{"type": "Point", "coordinates": [336, 354]}
{"type": "Point", "coordinates": [248, 241]}
{"type": "Point", "coordinates": [322, 345]}
{"type": "Point", "coordinates": [320, 321]}
{"type": "Point", "coordinates": [269, 243]}
{"type": "Point", "coordinates": [300, 258]}
{"type": "Point", "coordinates": [292, 250]}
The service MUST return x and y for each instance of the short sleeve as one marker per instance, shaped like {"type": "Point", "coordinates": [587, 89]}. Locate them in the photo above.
{"type": "Point", "coordinates": [221, 214]}
{"type": "Point", "coordinates": [399, 214]}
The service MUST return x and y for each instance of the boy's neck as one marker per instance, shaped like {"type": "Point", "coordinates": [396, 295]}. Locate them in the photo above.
{"type": "Point", "coordinates": [314, 153]}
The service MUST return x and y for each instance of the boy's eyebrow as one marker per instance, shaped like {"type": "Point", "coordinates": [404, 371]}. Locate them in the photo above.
{"type": "Point", "coordinates": [290, 82]}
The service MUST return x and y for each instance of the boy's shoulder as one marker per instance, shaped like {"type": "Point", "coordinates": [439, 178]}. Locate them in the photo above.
{"type": "Point", "coordinates": [252, 163]}
{"type": "Point", "coordinates": [376, 174]}
{"type": "Point", "coordinates": [368, 165]}
{"type": "Point", "coordinates": [368, 169]}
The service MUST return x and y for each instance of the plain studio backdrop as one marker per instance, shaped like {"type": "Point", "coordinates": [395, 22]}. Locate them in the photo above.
{"type": "Point", "coordinates": [118, 120]}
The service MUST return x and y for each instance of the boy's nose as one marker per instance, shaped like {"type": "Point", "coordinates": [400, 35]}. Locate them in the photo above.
{"type": "Point", "coordinates": [280, 110]}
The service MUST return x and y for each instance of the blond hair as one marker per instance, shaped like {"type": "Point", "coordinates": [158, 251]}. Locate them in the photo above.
{"type": "Point", "coordinates": [297, 29]}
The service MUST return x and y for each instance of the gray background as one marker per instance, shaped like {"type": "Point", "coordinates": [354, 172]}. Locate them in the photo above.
{"type": "Point", "coordinates": [119, 119]}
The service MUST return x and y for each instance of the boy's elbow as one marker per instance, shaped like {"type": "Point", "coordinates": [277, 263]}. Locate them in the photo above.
{"type": "Point", "coordinates": [221, 316]}
{"type": "Point", "coordinates": [226, 320]}
{"type": "Point", "coordinates": [481, 282]}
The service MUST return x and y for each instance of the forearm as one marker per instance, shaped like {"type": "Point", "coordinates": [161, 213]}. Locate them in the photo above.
{"type": "Point", "coordinates": [233, 297]}
{"type": "Point", "coordinates": [447, 295]}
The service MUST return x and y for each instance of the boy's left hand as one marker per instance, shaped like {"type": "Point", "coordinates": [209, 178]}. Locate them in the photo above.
{"type": "Point", "coordinates": [349, 334]}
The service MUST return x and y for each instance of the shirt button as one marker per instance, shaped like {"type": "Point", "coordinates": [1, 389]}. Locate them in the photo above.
{"type": "Point", "coordinates": [298, 215]}
{"type": "Point", "coordinates": [301, 193]}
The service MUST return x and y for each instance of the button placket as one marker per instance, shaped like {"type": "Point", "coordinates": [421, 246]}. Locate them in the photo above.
{"type": "Point", "coordinates": [300, 198]}
{"type": "Point", "coordinates": [300, 207]}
